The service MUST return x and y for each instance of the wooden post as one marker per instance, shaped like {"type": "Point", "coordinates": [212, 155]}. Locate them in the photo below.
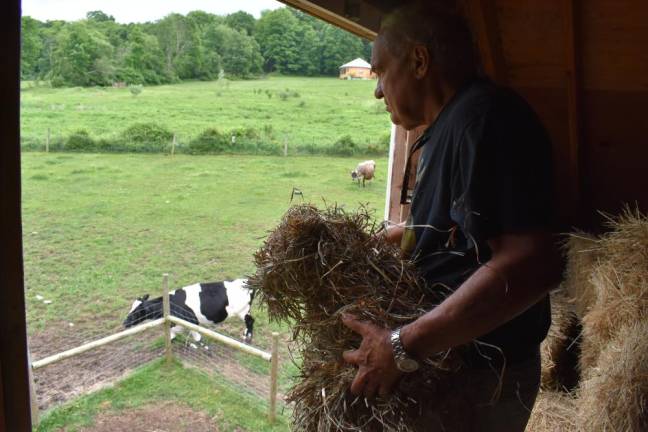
{"type": "Point", "coordinates": [173, 144]}
{"type": "Point", "coordinates": [35, 414]}
{"type": "Point", "coordinates": [285, 147]}
{"type": "Point", "coordinates": [47, 141]}
{"type": "Point", "coordinates": [274, 366]}
{"type": "Point", "coordinates": [166, 313]}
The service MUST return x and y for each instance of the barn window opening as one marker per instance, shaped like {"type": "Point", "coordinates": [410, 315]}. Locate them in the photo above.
{"type": "Point", "coordinates": [158, 151]}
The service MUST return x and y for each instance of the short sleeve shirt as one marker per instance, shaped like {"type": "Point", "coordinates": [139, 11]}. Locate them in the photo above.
{"type": "Point", "coordinates": [485, 169]}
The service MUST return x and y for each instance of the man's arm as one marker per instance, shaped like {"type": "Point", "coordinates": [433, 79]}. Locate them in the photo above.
{"type": "Point", "coordinates": [394, 233]}
{"type": "Point", "coordinates": [523, 268]}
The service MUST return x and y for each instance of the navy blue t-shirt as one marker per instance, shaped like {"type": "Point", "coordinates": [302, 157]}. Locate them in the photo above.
{"type": "Point", "coordinates": [485, 169]}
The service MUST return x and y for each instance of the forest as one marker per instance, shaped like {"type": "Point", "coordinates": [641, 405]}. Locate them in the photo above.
{"type": "Point", "coordinates": [98, 51]}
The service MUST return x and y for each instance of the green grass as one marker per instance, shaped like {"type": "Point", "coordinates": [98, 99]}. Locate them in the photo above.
{"type": "Point", "coordinates": [317, 112]}
{"type": "Point", "coordinates": [157, 382]}
{"type": "Point", "coordinates": [104, 227]}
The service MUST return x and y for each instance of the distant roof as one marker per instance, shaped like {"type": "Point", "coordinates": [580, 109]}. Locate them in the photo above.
{"type": "Point", "coordinates": [357, 63]}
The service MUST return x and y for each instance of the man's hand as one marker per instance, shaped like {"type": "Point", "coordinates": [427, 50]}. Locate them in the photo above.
{"type": "Point", "coordinates": [377, 372]}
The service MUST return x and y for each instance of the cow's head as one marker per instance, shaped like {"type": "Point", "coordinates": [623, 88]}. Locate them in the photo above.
{"type": "Point", "coordinates": [139, 312]}
{"type": "Point", "coordinates": [354, 175]}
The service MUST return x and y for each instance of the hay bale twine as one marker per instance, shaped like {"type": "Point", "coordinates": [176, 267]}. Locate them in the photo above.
{"type": "Point", "coordinates": [553, 412]}
{"type": "Point", "coordinates": [582, 252]}
{"type": "Point", "coordinates": [560, 350]}
{"type": "Point", "coordinates": [313, 267]}
{"type": "Point", "coordinates": [615, 395]}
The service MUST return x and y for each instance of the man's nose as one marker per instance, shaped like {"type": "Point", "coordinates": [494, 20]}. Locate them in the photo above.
{"type": "Point", "coordinates": [378, 93]}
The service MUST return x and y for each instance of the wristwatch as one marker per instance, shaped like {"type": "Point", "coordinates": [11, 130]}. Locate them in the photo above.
{"type": "Point", "coordinates": [404, 362]}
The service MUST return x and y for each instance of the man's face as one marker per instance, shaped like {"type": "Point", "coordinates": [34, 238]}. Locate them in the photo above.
{"type": "Point", "coordinates": [396, 85]}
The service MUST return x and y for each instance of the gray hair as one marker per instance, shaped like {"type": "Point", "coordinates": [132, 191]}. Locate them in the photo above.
{"type": "Point", "coordinates": [438, 26]}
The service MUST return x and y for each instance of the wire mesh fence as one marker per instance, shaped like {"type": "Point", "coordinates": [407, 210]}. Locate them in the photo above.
{"type": "Point", "coordinates": [73, 359]}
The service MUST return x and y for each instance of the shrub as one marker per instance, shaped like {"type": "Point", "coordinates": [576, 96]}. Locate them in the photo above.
{"type": "Point", "coordinates": [210, 141]}
{"type": "Point", "coordinates": [147, 137]}
{"type": "Point", "coordinates": [80, 141]}
{"type": "Point", "coordinates": [135, 89]}
{"type": "Point", "coordinates": [344, 146]}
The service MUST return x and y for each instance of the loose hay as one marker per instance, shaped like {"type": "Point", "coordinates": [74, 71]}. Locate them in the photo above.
{"type": "Point", "coordinates": [560, 350]}
{"type": "Point", "coordinates": [582, 252]}
{"type": "Point", "coordinates": [615, 396]}
{"type": "Point", "coordinates": [318, 264]}
{"type": "Point", "coordinates": [553, 412]}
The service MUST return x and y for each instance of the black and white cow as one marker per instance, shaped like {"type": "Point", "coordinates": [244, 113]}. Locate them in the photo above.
{"type": "Point", "coordinates": [200, 303]}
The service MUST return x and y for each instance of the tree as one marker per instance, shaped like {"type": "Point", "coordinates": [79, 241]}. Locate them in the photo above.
{"type": "Point", "coordinates": [241, 21]}
{"type": "Point", "coordinates": [31, 47]}
{"type": "Point", "coordinates": [99, 16]}
{"type": "Point", "coordinates": [338, 47]}
{"type": "Point", "coordinates": [180, 43]}
{"type": "Point", "coordinates": [143, 60]}
{"type": "Point", "coordinates": [82, 57]}
{"type": "Point", "coordinates": [239, 53]}
{"type": "Point", "coordinates": [278, 35]}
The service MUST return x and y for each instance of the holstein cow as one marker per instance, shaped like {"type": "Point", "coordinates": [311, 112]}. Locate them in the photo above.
{"type": "Point", "coordinates": [365, 171]}
{"type": "Point", "coordinates": [200, 303]}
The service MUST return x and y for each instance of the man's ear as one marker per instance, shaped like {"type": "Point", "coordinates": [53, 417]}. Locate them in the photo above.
{"type": "Point", "coordinates": [420, 61]}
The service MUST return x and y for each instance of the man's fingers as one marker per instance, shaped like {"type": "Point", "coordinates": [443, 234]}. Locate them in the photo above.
{"type": "Point", "coordinates": [385, 389]}
{"type": "Point", "coordinates": [358, 383]}
{"type": "Point", "coordinates": [352, 356]}
{"type": "Point", "coordinates": [355, 324]}
{"type": "Point", "coordinates": [371, 388]}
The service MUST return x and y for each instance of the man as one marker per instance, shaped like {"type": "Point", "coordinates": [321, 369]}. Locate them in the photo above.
{"type": "Point", "coordinates": [480, 223]}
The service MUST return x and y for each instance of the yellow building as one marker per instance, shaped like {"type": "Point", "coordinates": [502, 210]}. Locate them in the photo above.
{"type": "Point", "coordinates": [356, 69]}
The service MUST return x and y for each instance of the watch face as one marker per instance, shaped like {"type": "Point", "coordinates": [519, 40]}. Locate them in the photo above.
{"type": "Point", "coordinates": [407, 365]}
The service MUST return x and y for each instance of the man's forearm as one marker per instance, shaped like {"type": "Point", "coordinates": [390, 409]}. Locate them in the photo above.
{"type": "Point", "coordinates": [497, 292]}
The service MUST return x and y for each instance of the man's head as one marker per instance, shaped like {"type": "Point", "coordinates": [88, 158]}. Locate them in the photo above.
{"type": "Point", "coordinates": [421, 49]}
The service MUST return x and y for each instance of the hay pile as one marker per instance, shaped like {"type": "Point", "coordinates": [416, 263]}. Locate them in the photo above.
{"type": "Point", "coordinates": [607, 286]}
{"type": "Point", "coordinates": [318, 264]}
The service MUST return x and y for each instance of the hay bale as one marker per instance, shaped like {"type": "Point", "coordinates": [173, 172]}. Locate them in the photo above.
{"type": "Point", "coordinates": [582, 252]}
{"type": "Point", "coordinates": [560, 350]}
{"type": "Point", "coordinates": [615, 395]}
{"type": "Point", "coordinates": [620, 280]}
{"type": "Point", "coordinates": [553, 412]}
{"type": "Point", "coordinates": [313, 267]}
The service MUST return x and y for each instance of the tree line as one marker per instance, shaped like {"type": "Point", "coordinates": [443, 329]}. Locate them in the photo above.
{"type": "Point", "coordinates": [98, 51]}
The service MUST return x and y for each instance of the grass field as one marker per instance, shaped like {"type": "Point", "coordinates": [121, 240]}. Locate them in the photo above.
{"type": "Point", "coordinates": [299, 111]}
{"type": "Point", "coordinates": [100, 229]}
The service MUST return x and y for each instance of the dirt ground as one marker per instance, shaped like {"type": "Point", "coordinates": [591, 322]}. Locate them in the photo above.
{"type": "Point", "coordinates": [161, 417]}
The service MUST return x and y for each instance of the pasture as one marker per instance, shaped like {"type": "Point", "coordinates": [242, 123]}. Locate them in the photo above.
{"type": "Point", "coordinates": [100, 229]}
{"type": "Point", "coordinates": [305, 113]}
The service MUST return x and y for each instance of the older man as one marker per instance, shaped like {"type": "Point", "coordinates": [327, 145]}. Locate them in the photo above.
{"type": "Point", "coordinates": [480, 223]}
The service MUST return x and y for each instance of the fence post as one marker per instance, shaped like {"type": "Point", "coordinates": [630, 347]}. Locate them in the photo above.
{"type": "Point", "coordinates": [47, 141]}
{"type": "Point", "coordinates": [35, 415]}
{"type": "Point", "coordinates": [285, 147]}
{"type": "Point", "coordinates": [173, 144]}
{"type": "Point", "coordinates": [166, 310]}
{"type": "Point", "coordinates": [274, 366]}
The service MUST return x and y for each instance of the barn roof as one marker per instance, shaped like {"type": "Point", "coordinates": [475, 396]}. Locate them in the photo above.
{"type": "Point", "coordinates": [358, 63]}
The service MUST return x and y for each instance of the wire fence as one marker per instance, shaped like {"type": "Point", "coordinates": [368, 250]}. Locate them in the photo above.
{"type": "Point", "coordinates": [73, 359]}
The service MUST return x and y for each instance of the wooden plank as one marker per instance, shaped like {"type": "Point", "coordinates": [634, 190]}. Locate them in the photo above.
{"type": "Point", "coordinates": [274, 373]}
{"type": "Point", "coordinates": [333, 14]}
{"type": "Point", "coordinates": [399, 138]}
{"type": "Point", "coordinates": [14, 380]}
{"type": "Point", "coordinates": [96, 344]}
{"type": "Point", "coordinates": [166, 313]}
{"type": "Point", "coordinates": [222, 338]}
{"type": "Point", "coordinates": [483, 14]}
{"type": "Point", "coordinates": [572, 73]}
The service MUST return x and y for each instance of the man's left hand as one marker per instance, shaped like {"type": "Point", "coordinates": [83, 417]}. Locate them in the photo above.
{"type": "Point", "coordinates": [377, 372]}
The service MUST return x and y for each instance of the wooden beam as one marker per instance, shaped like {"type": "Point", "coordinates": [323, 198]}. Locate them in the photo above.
{"type": "Point", "coordinates": [483, 15]}
{"type": "Point", "coordinates": [222, 338]}
{"type": "Point", "coordinates": [337, 19]}
{"type": "Point", "coordinates": [574, 86]}
{"type": "Point", "coordinates": [14, 379]}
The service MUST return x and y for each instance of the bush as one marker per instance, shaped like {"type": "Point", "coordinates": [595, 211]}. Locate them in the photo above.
{"type": "Point", "coordinates": [344, 146]}
{"type": "Point", "coordinates": [135, 89]}
{"type": "Point", "coordinates": [147, 137]}
{"type": "Point", "coordinates": [80, 141]}
{"type": "Point", "coordinates": [210, 141]}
